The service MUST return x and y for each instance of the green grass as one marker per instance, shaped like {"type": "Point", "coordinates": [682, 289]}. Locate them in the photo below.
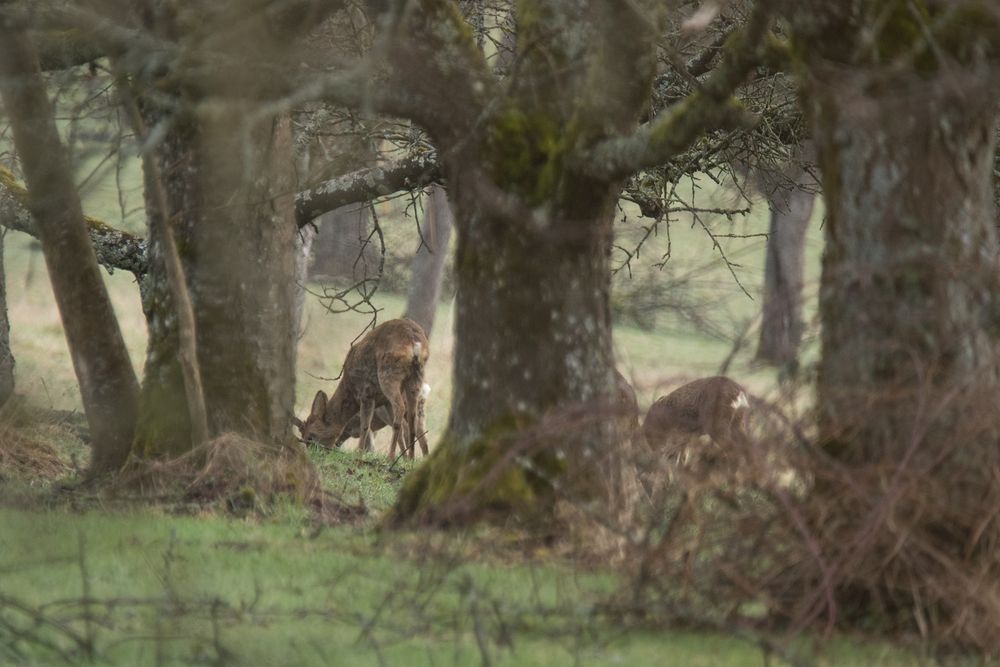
{"type": "Point", "coordinates": [284, 592]}
{"type": "Point", "coordinates": [173, 590]}
{"type": "Point", "coordinates": [367, 479]}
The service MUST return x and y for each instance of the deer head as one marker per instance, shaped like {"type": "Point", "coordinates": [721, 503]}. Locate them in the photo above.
{"type": "Point", "coordinates": [325, 423]}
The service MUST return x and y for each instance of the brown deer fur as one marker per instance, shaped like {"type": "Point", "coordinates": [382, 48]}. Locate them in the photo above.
{"type": "Point", "coordinates": [716, 406]}
{"type": "Point", "coordinates": [384, 371]}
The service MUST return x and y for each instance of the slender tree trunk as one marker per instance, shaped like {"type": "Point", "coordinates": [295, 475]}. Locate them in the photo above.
{"type": "Point", "coordinates": [108, 384]}
{"type": "Point", "coordinates": [429, 260]}
{"type": "Point", "coordinates": [344, 247]}
{"type": "Point", "coordinates": [6, 356]}
{"type": "Point", "coordinates": [303, 252]}
{"type": "Point", "coordinates": [784, 270]}
{"type": "Point", "coordinates": [180, 296]}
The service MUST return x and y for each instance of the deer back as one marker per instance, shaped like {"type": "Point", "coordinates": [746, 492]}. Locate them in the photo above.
{"type": "Point", "coordinates": [714, 406]}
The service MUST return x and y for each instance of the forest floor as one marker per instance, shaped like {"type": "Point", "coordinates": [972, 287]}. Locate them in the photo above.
{"type": "Point", "coordinates": [85, 579]}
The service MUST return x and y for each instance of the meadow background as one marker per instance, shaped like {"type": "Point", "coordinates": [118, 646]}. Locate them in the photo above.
{"type": "Point", "coordinates": [87, 580]}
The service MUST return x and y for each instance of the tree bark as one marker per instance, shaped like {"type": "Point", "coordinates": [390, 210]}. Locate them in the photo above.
{"type": "Point", "coordinates": [908, 378]}
{"type": "Point", "coordinates": [108, 384]}
{"type": "Point", "coordinates": [533, 363]}
{"type": "Point", "coordinates": [784, 271]}
{"type": "Point", "coordinates": [303, 253]}
{"type": "Point", "coordinates": [240, 266]}
{"type": "Point", "coordinates": [344, 247]}
{"type": "Point", "coordinates": [229, 186]}
{"type": "Point", "coordinates": [908, 296]}
{"type": "Point", "coordinates": [429, 260]}
{"type": "Point", "coordinates": [534, 177]}
{"type": "Point", "coordinates": [6, 355]}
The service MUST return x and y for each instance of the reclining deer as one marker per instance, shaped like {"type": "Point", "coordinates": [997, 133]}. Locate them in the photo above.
{"type": "Point", "coordinates": [382, 383]}
{"type": "Point", "coordinates": [716, 406]}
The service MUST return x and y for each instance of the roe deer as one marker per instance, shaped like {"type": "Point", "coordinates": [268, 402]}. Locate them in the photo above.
{"type": "Point", "coordinates": [716, 406]}
{"type": "Point", "coordinates": [384, 370]}
{"type": "Point", "coordinates": [383, 418]}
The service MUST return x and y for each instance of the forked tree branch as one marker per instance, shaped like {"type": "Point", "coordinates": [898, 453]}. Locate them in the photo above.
{"type": "Point", "coordinates": [678, 126]}
{"type": "Point", "coordinates": [365, 185]}
{"type": "Point", "coordinates": [425, 66]}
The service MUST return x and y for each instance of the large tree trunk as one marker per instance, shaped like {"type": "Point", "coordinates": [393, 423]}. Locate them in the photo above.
{"type": "Point", "coordinates": [240, 267]}
{"type": "Point", "coordinates": [108, 384]}
{"type": "Point", "coordinates": [910, 269]}
{"type": "Point", "coordinates": [533, 363]}
{"type": "Point", "coordinates": [534, 378]}
{"type": "Point", "coordinates": [6, 356]}
{"type": "Point", "coordinates": [784, 270]}
{"type": "Point", "coordinates": [429, 260]}
{"type": "Point", "coordinates": [908, 378]}
{"type": "Point", "coordinates": [229, 188]}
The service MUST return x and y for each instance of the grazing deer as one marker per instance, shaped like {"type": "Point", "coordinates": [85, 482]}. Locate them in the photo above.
{"type": "Point", "coordinates": [383, 418]}
{"type": "Point", "coordinates": [383, 371]}
{"type": "Point", "coordinates": [717, 407]}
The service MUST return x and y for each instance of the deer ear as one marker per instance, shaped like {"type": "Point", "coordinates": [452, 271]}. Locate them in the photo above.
{"type": "Point", "coordinates": [296, 422]}
{"type": "Point", "coordinates": [319, 405]}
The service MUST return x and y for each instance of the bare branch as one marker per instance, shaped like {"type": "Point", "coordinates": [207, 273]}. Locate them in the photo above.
{"type": "Point", "coordinates": [677, 127]}
{"type": "Point", "coordinates": [365, 185]}
{"type": "Point", "coordinates": [437, 75]}
{"type": "Point", "coordinates": [116, 249]}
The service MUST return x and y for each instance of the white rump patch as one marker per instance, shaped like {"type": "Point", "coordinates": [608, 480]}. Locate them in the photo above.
{"type": "Point", "coordinates": [741, 401]}
{"type": "Point", "coordinates": [417, 346]}
{"type": "Point", "coordinates": [425, 389]}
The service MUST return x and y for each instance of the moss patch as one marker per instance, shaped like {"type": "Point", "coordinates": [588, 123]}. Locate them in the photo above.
{"type": "Point", "coordinates": [461, 482]}
{"type": "Point", "coordinates": [528, 148]}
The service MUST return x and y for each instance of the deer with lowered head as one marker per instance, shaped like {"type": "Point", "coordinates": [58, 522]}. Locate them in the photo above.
{"type": "Point", "coordinates": [716, 406]}
{"type": "Point", "coordinates": [382, 383]}
{"type": "Point", "coordinates": [383, 418]}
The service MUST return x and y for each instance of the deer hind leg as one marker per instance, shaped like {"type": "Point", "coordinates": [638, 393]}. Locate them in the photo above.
{"type": "Point", "coordinates": [365, 437]}
{"type": "Point", "coordinates": [391, 384]}
{"type": "Point", "coordinates": [412, 405]}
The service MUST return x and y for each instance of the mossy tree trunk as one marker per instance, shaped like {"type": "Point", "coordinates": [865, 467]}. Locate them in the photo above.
{"type": "Point", "coordinates": [229, 183]}
{"type": "Point", "coordinates": [533, 177]}
{"type": "Point", "coordinates": [908, 378]}
{"type": "Point", "coordinates": [533, 365]}
{"type": "Point", "coordinates": [107, 381]}
{"type": "Point", "coordinates": [6, 355]}
{"type": "Point", "coordinates": [911, 271]}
